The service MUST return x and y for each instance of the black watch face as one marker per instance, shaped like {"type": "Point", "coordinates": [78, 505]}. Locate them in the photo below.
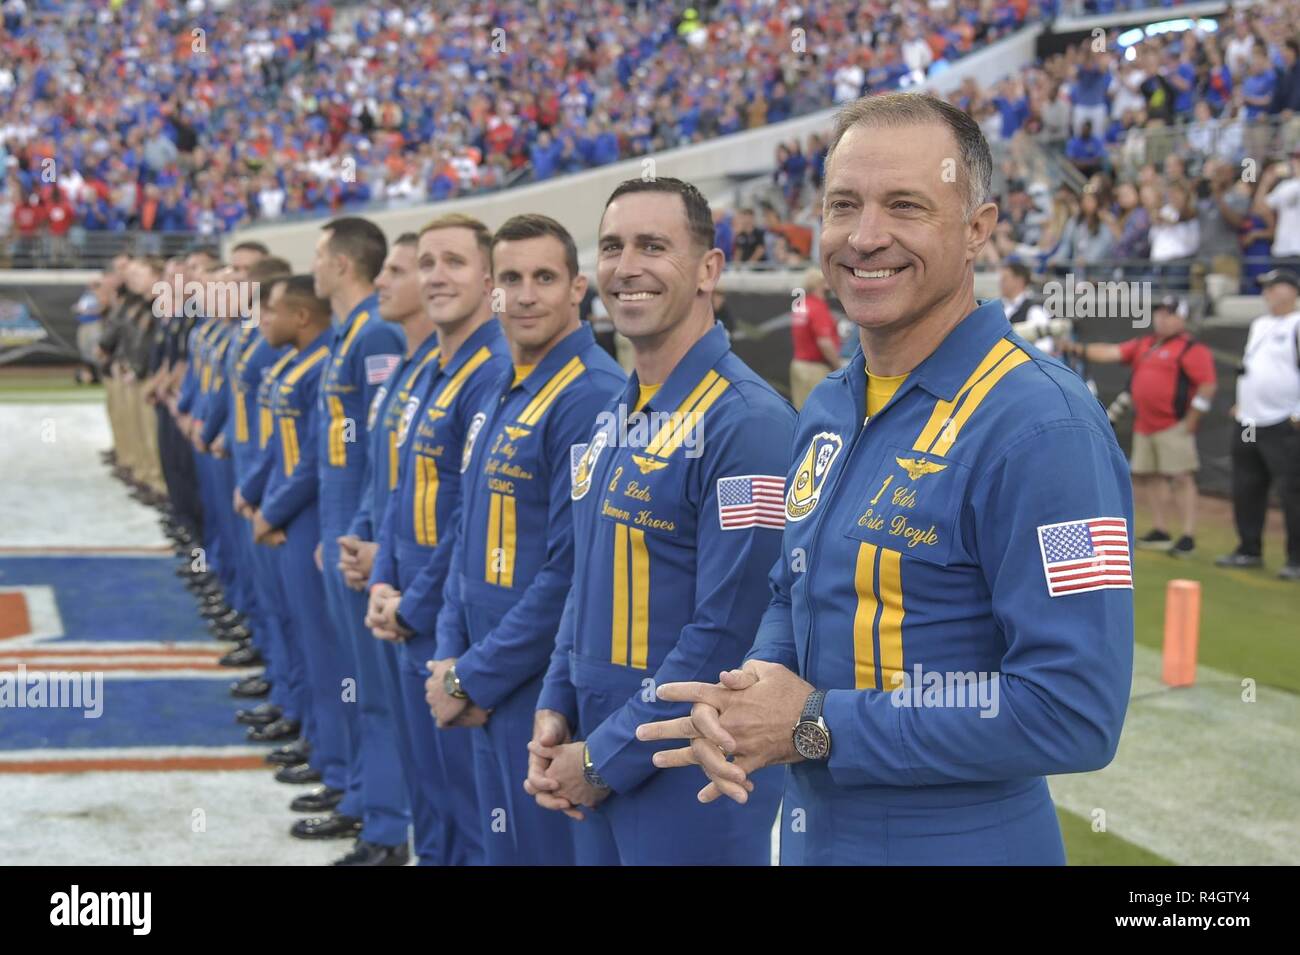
{"type": "Point", "coordinates": [811, 741]}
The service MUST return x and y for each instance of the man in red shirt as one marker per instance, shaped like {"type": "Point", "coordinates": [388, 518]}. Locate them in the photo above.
{"type": "Point", "coordinates": [1173, 382]}
{"type": "Point", "coordinates": [816, 339]}
{"type": "Point", "coordinates": [60, 216]}
{"type": "Point", "coordinates": [28, 220]}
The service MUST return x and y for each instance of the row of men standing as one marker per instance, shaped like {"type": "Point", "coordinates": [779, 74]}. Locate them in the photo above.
{"type": "Point", "coordinates": [392, 459]}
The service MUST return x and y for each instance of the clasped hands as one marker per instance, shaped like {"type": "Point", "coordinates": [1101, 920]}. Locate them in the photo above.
{"type": "Point", "coordinates": [736, 727]}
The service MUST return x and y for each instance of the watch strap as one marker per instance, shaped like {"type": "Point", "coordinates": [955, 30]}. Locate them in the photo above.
{"type": "Point", "coordinates": [812, 708]}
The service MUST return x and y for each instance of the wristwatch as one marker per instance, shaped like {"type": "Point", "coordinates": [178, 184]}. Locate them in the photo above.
{"type": "Point", "coordinates": [451, 684]}
{"type": "Point", "coordinates": [812, 738]}
{"type": "Point", "coordinates": [589, 773]}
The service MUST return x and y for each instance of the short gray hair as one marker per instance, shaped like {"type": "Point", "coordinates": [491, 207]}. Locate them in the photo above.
{"type": "Point", "coordinates": [895, 110]}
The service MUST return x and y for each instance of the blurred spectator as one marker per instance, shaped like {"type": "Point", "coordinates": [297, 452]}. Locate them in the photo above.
{"type": "Point", "coordinates": [815, 337]}
{"type": "Point", "coordinates": [1086, 150]}
{"type": "Point", "coordinates": [1175, 235]}
{"type": "Point", "coordinates": [1085, 239]}
{"type": "Point", "coordinates": [749, 241]}
{"type": "Point", "coordinates": [1221, 212]}
{"type": "Point", "coordinates": [1278, 201]}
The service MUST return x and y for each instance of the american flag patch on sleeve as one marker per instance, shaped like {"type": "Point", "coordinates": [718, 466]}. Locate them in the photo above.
{"type": "Point", "coordinates": [751, 500]}
{"type": "Point", "coordinates": [1092, 554]}
{"type": "Point", "coordinates": [379, 367]}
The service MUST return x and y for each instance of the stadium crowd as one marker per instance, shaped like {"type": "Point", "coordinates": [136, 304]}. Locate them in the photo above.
{"type": "Point", "coordinates": [204, 121]}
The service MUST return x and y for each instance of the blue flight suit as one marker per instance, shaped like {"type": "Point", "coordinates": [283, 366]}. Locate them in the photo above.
{"type": "Point", "coordinates": [383, 425]}
{"type": "Point", "coordinates": [923, 539]}
{"type": "Point", "coordinates": [416, 539]}
{"type": "Point", "coordinates": [290, 502]}
{"type": "Point", "coordinates": [193, 400]}
{"type": "Point", "coordinates": [247, 360]}
{"type": "Point", "coordinates": [364, 351]}
{"type": "Point", "coordinates": [664, 592]}
{"type": "Point", "coordinates": [219, 421]}
{"type": "Point", "coordinates": [292, 689]}
{"type": "Point", "coordinates": [510, 574]}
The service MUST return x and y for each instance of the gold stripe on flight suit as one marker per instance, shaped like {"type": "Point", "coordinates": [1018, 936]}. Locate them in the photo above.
{"type": "Point", "coordinates": [618, 634]}
{"type": "Point", "coordinates": [550, 391]}
{"type": "Point", "coordinates": [265, 424]}
{"type": "Point", "coordinates": [691, 418]}
{"type": "Point", "coordinates": [241, 416]}
{"type": "Point", "coordinates": [864, 618]}
{"type": "Point", "coordinates": [338, 421]}
{"type": "Point", "coordinates": [508, 542]}
{"type": "Point", "coordinates": [452, 388]}
{"type": "Point", "coordinates": [688, 403]}
{"type": "Point", "coordinates": [289, 445]}
{"type": "Point", "coordinates": [490, 571]}
{"type": "Point", "coordinates": [943, 443]}
{"type": "Point", "coordinates": [392, 460]}
{"type": "Point", "coordinates": [943, 409]}
{"type": "Point", "coordinates": [426, 501]}
{"type": "Point", "coordinates": [890, 628]}
{"type": "Point", "coordinates": [306, 365]}
{"type": "Point", "coordinates": [640, 598]}
{"type": "Point", "coordinates": [352, 333]}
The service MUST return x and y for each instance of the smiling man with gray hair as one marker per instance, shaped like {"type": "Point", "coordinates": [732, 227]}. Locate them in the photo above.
{"type": "Point", "coordinates": [956, 504]}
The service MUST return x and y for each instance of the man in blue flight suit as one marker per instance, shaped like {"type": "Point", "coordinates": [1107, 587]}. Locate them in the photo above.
{"type": "Point", "coordinates": [952, 616]}
{"type": "Point", "coordinates": [207, 406]}
{"type": "Point", "coordinates": [674, 532]}
{"type": "Point", "coordinates": [297, 722]}
{"type": "Point", "coordinates": [248, 357]}
{"type": "Point", "coordinates": [513, 561]}
{"type": "Point", "coordinates": [421, 517]}
{"type": "Point", "coordinates": [288, 515]}
{"type": "Point", "coordinates": [400, 302]}
{"type": "Point", "coordinates": [365, 350]}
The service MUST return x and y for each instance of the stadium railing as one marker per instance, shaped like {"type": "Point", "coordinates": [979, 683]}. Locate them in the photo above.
{"type": "Point", "coordinates": [88, 249]}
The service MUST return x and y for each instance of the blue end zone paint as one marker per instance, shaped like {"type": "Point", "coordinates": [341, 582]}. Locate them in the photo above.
{"type": "Point", "coordinates": [196, 712]}
{"type": "Point", "coordinates": [113, 598]}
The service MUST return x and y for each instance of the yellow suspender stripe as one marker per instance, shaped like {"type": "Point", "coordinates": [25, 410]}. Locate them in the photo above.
{"type": "Point", "coordinates": [631, 609]}
{"type": "Point", "coordinates": [890, 627]}
{"type": "Point", "coordinates": [289, 445]}
{"type": "Point", "coordinates": [640, 598]}
{"type": "Point", "coordinates": [499, 565]}
{"type": "Point", "coordinates": [507, 577]}
{"type": "Point", "coordinates": [306, 365]}
{"type": "Point", "coordinates": [426, 501]}
{"type": "Point", "coordinates": [618, 634]}
{"type": "Point", "coordinates": [943, 443]}
{"type": "Point", "coordinates": [550, 391]}
{"type": "Point", "coordinates": [943, 409]}
{"type": "Point", "coordinates": [452, 388]}
{"type": "Point", "coordinates": [265, 424]}
{"type": "Point", "coordinates": [241, 416]}
{"type": "Point", "coordinates": [685, 407]}
{"type": "Point", "coordinates": [393, 462]}
{"type": "Point", "coordinates": [878, 620]}
{"type": "Point", "coordinates": [352, 333]}
{"type": "Point", "coordinates": [338, 421]}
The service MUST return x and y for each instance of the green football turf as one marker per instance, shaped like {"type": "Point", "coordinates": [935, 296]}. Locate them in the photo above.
{"type": "Point", "coordinates": [1085, 847]}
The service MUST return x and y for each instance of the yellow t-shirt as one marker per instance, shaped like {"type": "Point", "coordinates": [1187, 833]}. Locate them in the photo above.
{"type": "Point", "coordinates": [645, 393]}
{"type": "Point", "coordinates": [522, 372]}
{"type": "Point", "coordinates": [880, 389]}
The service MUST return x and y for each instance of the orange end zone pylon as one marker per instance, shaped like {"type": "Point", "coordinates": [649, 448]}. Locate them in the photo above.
{"type": "Point", "coordinates": [1182, 631]}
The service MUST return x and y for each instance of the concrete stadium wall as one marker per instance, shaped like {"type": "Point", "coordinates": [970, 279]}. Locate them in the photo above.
{"type": "Point", "coordinates": [577, 200]}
